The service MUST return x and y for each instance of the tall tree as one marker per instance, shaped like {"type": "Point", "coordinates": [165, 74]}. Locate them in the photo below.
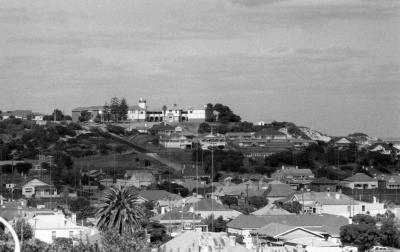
{"type": "Point", "coordinates": [120, 211]}
{"type": "Point", "coordinates": [106, 112]}
{"type": "Point", "coordinates": [114, 108]}
{"type": "Point", "coordinates": [123, 110]}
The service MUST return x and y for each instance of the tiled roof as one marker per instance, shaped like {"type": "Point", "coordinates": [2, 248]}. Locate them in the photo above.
{"type": "Point", "coordinates": [176, 215]}
{"type": "Point", "coordinates": [273, 229]}
{"type": "Point", "coordinates": [325, 198]}
{"type": "Point", "coordinates": [323, 181]}
{"type": "Point", "coordinates": [209, 205]}
{"type": "Point", "coordinates": [155, 195]}
{"type": "Point", "coordinates": [271, 209]}
{"type": "Point", "coordinates": [360, 177]}
{"type": "Point", "coordinates": [325, 222]}
{"type": "Point", "coordinates": [279, 190]}
{"type": "Point", "coordinates": [194, 241]}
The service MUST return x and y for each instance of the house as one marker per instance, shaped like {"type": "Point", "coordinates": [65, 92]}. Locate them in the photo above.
{"type": "Point", "coordinates": [324, 185]}
{"type": "Point", "coordinates": [39, 189]}
{"type": "Point", "coordinates": [37, 117]}
{"type": "Point", "coordinates": [294, 176]}
{"type": "Point", "coordinates": [175, 141]}
{"type": "Point", "coordinates": [161, 129]}
{"type": "Point", "coordinates": [50, 226]}
{"type": "Point", "coordinates": [271, 209]}
{"type": "Point", "coordinates": [278, 191]}
{"type": "Point", "coordinates": [20, 114]}
{"type": "Point", "coordinates": [336, 203]}
{"type": "Point", "coordinates": [246, 189]}
{"type": "Point", "coordinates": [324, 223]}
{"type": "Point", "coordinates": [163, 200]}
{"type": "Point", "coordinates": [235, 136]}
{"type": "Point", "coordinates": [281, 237]}
{"type": "Point", "coordinates": [178, 220]}
{"type": "Point", "coordinates": [360, 181]}
{"type": "Point", "coordinates": [95, 111]}
{"type": "Point", "coordinates": [194, 172]}
{"type": "Point", "coordinates": [196, 241]}
{"type": "Point", "coordinates": [270, 134]}
{"type": "Point", "coordinates": [139, 178]}
{"type": "Point", "coordinates": [341, 142]}
{"type": "Point", "coordinates": [390, 181]}
{"type": "Point", "coordinates": [212, 140]}
{"type": "Point", "coordinates": [383, 148]}
{"type": "Point", "coordinates": [207, 207]}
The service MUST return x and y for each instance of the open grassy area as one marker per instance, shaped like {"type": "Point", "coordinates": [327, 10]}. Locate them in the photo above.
{"type": "Point", "coordinates": [118, 162]}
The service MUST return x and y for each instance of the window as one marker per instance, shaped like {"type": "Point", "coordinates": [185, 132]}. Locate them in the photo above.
{"type": "Point", "coordinates": [28, 189]}
{"type": "Point", "coordinates": [53, 235]}
{"type": "Point", "coordinates": [363, 208]}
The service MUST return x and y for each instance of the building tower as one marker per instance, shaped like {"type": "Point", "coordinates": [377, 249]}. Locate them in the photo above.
{"type": "Point", "coordinates": [142, 103]}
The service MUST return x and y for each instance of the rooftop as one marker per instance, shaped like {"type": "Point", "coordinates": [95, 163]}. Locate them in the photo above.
{"type": "Point", "coordinates": [360, 177]}
{"type": "Point", "coordinates": [279, 190]}
{"type": "Point", "coordinates": [155, 195]}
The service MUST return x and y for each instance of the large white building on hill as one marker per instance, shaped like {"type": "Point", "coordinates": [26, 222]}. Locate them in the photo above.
{"type": "Point", "coordinates": [141, 112]}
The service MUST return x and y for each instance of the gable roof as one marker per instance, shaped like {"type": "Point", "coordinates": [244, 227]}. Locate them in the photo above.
{"type": "Point", "coordinates": [176, 215]}
{"type": "Point", "coordinates": [155, 195]}
{"type": "Point", "coordinates": [326, 222]}
{"type": "Point", "coordinates": [271, 209]}
{"type": "Point", "coordinates": [279, 190]}
{"type": "Point", "coordinates": [360, 177]}
{"type": "Point", "coordinates": [323, 181]}
{"type": "Point", "coordinates": [325, 198]}
{"type": "Point", "coordinates": [209, 205]}
{"type": "Point", "coordinates": [277, 229]}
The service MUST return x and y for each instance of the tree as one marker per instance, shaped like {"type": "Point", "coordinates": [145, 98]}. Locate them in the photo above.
{"type": "Point", "coordinates": [85, 116]}
{"type": "Point", "coordinates": [113, 241]}
{"type": "Point", "coordinates": [23, 167]}
{"type": "Point", "coordinates": [106, 112]}
{"type": "Point", "coordinates": [258, 201]}
{"type": "Point", "coordinates": [120, 211]}
{"type": "Point", "coordinates": [61, 244]}
{"type": "Point", "coordinates": [114, 108]}
{"type": "Point", "coordinates": [204, 128]}
{"type": "Point", "coordinates": [123, 110]}
{"type": "Point", "coordinates": [388, 234]}
{"type": "Point", "coordinates": [361, 235]}
{"type": "Point", "coordinates": [209, 113]}
{"type": "Point", "coordinates": [216, 225]}
{"type": "Point", "coordinates": [23, 229]}
{"type": "Point", "coordinates": [229, 200]}
{"type": "Point", "coordinates": [79, 204]}
{"type": "Point", "coordinates": [364, 219]}
{"type": "Point", "coordinates": [158, 233]}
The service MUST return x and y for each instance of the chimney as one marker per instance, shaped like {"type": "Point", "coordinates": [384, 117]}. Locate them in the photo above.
{"type": "Point", "coordinates": [297, 167]}
{"type": "Point", "coordinates": [283, 167]}
{"type": "Point", "coordinates": [374, 199]}
{"type": "Point", "coordinates": [162, 210]}
{"type": "Point", "coordinates": [232, 241]}
{"type": "Point", "coordinates": [328, 194]}
{"type": "Point", "coordinates": [351, 220]}
{"type": "Point", "coordinates": [337, 196]}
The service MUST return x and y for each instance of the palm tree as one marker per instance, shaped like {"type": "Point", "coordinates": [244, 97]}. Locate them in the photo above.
{"type": "Point", "coordinates": [120, 211]}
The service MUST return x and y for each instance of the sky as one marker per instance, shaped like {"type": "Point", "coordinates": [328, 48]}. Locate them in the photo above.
{"type": "Point", "coordinates": [331, 65]}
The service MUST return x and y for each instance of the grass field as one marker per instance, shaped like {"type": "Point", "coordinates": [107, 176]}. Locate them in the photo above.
{"type": "Point", "coordinates": [120, 163]}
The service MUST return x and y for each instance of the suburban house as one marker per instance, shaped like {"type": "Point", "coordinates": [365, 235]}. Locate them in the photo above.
{"type": "Point", "coordinates": [196, 241]}
{"type": "Point", "coordinates": [324, 185]}
{"type": "Point", "coordinates": [95, 111]}
{"type": "Point", "coordinates": [282, 237]}
{"type": "Point", "coordinates": [359, 181]}
{"type": "Point", "coordinates": [211, 140]}
{"type": "Point", "coordinates": [384, 148]}
{"type": "Point", "coordinates": [178, 220]}
{"type": "Point", "coordinates": [242, 190]}
{"type": "Point", "coordinates": [139, 178]}
{"type": "Point", "coordinates": [206, 207]}
{"type": "Point", "coordinates": [389, 181]}
{"type": "Point", "coordinates": [39, 189]}
{"type": "Point", "coordinates": [162, 129]}
{"type": "Point", "coordinates": [336, 203]}
{"type": "Point", "coordinates": [47, 227]}
{"type": "Point", "coordinates": [341, 142]}
{"type": "Point", "coordinates": [324, 223]}
{"type": "Point", "coordinates": [271, 209]}
{"type": "Point", "coordinates": [20, 114]}
{"type": "Point", "coordinates": [270, 134]}
{"type": "Point", "coordinates": [175, 141]}
{"type": "Point", "coordinates": [236, 136]}
{"type": "Point", "coordinates": [164, 201]}
{"type": "Point", "coordinates": [294, 176]}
